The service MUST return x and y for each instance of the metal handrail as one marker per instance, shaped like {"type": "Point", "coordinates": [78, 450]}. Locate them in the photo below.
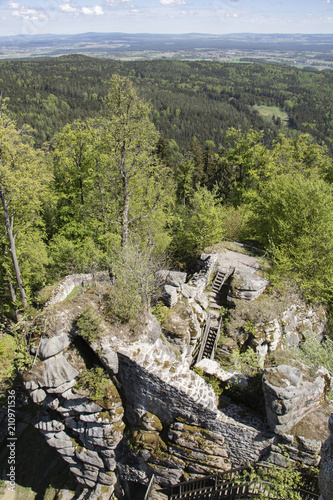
{"type": "Point", "coordinates": [204, 339]}
{"type": "Point", "coordinates": [225, 486]}
{"type": "Point", "coordinates": [149, 487]}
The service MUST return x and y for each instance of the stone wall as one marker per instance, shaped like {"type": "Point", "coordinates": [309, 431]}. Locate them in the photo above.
{"type": "Point", "coordinates": [67, 285]}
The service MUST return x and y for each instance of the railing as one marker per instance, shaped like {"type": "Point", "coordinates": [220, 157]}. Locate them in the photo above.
{"type": "Point", "coordinates": [229, 485]}
{"type": "Point", "coordinates": [149, 488]}
{"type": "Point", "coordinates": [205, 482]}
{"type": "Point", "coordinates": [204, 339]}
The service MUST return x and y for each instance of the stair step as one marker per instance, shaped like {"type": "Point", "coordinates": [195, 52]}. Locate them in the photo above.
{"type": "Point", "coordinates": [214, 305]}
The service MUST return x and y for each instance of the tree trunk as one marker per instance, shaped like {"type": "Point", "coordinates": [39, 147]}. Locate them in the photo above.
{"type": "Point", "coordinates": [12, 248]}
{"type": "Point", "coordinates": [13, 297]}
{"type": "Point", "coordinates": [11, 287]}
{"type": "Point", "coordinates": [124, 221]}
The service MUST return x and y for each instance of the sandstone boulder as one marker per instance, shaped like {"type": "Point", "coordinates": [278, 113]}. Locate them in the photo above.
{"type": "Point", "coordinates": [51, 346]}
{"type": "Point", "coordinates": [172, 278]}
{"type": "Point", "coordinates": [246, 284]}
{"type": "Point", "coordinates": [188, 291]}
{"type": "Point", "coordinates": [38, 395]}
{"type": "Point", "coordinates": [58, 371]}
{"type": "Point", "coordinates": [170, 295]}
{"type": "Point", "coordinates": [288, 397]}
{"type": "Point", "coordinates": [109, 359]}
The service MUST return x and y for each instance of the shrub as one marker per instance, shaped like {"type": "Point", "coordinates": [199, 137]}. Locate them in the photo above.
{"type": "Point", "coordinates": [161, 312]}
{"type": "Point", "coordinates": [199, 225]}
{"type": "Point", "coordinates": [94, 382]}
{"type": "Point", "coordinates": [211, 380]}
{"type": "Point", "coordinates": [314, 354]}
{"type": "Point", "coordinates": [89, 325]}
{"type": "Point", "coordinates": [248, 362]}
{"type": "Point", "coordinates": [274, 482]}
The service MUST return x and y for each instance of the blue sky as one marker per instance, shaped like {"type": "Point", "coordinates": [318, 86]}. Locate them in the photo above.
{"type": "Point", "coordinates": [166, 16]}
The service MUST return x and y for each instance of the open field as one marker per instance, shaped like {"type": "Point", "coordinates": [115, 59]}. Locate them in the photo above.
{"type": "Point", "coordinates": [270, 111]}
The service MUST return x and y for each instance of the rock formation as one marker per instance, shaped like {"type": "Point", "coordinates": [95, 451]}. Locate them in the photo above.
{"type": "Point", "coordinates": [159, 416]}
{"type": "Point", "coordinates": [289, 397]}
{"type": "Point", "coordinates": [326, 466]}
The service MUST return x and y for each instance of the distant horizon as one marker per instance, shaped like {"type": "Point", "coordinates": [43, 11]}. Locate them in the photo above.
{"type": "Point", "coordinates": [167, 34]}
{"type": "Point", "coordinates": [215, 17]}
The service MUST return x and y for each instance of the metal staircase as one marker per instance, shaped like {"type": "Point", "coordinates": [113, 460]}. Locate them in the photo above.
{"type": "Point", "coordinates": [214, 321]}
{"type": "Point", "coordinates": [209, 339]}
{"type": "Point", "coordinates": [219, 280]}
{"type": "Point", "coordinates": [231, 485]}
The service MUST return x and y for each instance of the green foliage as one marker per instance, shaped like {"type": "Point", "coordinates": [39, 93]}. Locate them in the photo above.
{"type": "Point", "coordinates": [198, 225]}
{"type": "Point", "coordinates": [188, 98]}
{"type": "Point", "coordinates": [7, 356]}
{"type": "Point", "coordinates": [244, 165]}
{"type": "Point", "coordinates": [134, 269]}
{"type": "Point", "coordinates": [301, 154]}
{"type": "Point", "coordinates": [315, 353]}
{"type": "Point", "coordinates": [274, 482]}
{"type": "Point", "coordinates": [293, 218]}
{"type": "Point", "coordinates": [122, 304]}
{"type": "Point", "coordinates": [161, 312]}
{"type": "Point", "coordinates": [235, 222]}
{"type": "Point", "coordinates": [94, 382]}
{"type": "Point", "coordinates": [69, 256]}
{"type": "Point", "coordinates": [248, 362]}
{"type": "Point", "coordinates": [129, 140]}
{"type": "Point", "coordinates": [210, 379]}
{"type": "Point", "coordinates": [90, 325]}
{"type": "Point", "coordinates": [24, 191]}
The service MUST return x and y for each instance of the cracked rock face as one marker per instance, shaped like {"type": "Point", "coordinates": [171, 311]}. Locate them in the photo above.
{"type": "Point", "coordinates": [288, 397]}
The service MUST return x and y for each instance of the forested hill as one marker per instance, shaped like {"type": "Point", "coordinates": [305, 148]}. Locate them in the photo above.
{"type": "Point", "coordinates": [201, 99]}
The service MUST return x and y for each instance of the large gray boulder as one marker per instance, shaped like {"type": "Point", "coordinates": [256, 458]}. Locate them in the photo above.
{"type": "Point", "coordinates": [58, 371]}
{"type": "Point", "coordinates": [170, 295]}
{"type": "Point", "coordinates": [49, 347]}
{"type": "Point", "coordinates": [172, 278]}
{"type": "Point", "coordinates": [109, 359]}
{"type": "Point", "coordinates": [288, 397]}
{"type": "Point", "coordinates": [246, 284]}
{"type": "Point", "coordinates": [326, 466]}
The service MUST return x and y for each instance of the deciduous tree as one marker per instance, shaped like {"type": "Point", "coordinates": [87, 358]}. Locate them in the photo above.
{"type": "Point", "coordinates": [293, 218]}
{"type": "Point", "coordinates": [129, 140]}
{"type": "Point", "coordinates": [23, 179]}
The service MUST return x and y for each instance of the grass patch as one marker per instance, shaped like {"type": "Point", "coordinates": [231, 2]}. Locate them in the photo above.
{"type": "Point", "coordinates": [224, 245]}
{"type": "Point", "coordinates": [269, 111]}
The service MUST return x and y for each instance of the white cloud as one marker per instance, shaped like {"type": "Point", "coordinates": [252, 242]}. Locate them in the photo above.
{"type": "Point", "coordinates": [327, 1]}
{"type": "Point", "coordinates": [172, 2]}
{"type": "Point", "coordinates": [92, 11]}
{"type": "Point", "coordinates": [113, 3]}
{"type": "Point", "coordinates": [67, 7]}
{"type": "Point", "coordinates": [27, 14]}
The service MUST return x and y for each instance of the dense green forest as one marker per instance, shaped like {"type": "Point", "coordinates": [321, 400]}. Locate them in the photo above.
{"type": "Point", "coordinates": [201, 99]}
{"type": "Point", "coordinates": [129, 164]}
